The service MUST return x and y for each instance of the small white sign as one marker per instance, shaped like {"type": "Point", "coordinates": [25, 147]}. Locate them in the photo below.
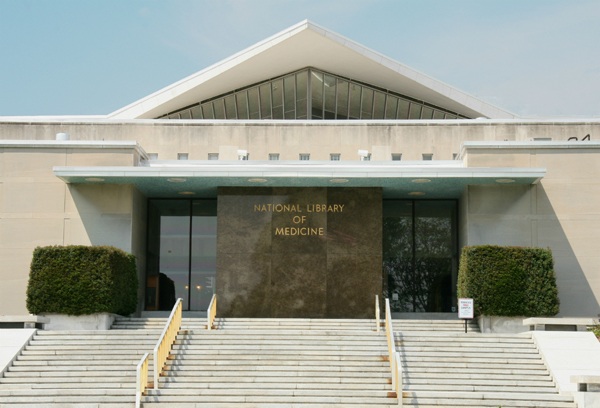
{"type": "Point", "coordinates": [465, 308]}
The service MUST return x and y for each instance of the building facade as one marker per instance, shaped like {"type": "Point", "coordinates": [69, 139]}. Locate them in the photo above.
{"type": "Point", "coordinates": [300, 178]}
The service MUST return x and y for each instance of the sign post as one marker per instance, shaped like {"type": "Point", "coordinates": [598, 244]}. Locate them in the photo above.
{"type": "Point", "coordinates": [465, 310]}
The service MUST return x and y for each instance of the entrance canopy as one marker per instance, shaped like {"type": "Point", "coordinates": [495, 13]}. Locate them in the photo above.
{"type": "Point", "coordinates": [440, 179]}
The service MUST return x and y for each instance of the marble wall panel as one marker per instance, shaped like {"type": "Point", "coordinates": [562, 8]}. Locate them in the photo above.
{"type": "Point", "coordinates": [353, 280]}
{"type": "Point", "coordinates": [298, 252]}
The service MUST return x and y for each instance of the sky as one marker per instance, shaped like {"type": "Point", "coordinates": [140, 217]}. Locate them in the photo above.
{"type": "Point", "coordinates": [535, 58]}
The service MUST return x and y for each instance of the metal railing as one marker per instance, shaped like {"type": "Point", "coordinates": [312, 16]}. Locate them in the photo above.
{"type": "Point", "coordinates": [141, 379]}
{"type": "Point", "coordinates": [161, 352]}
{"type": "Point", "coordinates": [377, 314]}
{"type": "Point", "coordinates": [211, 313]}
{"type": "Point", "coordinates": [166, 340]}
{"type": "Point", "coordinates": [394, 355]}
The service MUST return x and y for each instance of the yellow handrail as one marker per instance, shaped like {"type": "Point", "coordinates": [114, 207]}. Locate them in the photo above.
{"type": "Point", "coordinates": [377, 313]}
{"type": "Point", "coordinates": [211, 313]}
{"type": "Point", "coordinates": [394, 356]}
{"type": "Point", "coordinates": [141, 379]}
{"type": "Point", "coordinates": [166, 340]}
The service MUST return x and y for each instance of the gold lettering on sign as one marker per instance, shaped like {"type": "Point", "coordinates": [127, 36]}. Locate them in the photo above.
{"type": "Point", "coordinates": [321, 208]}
{"type": "Point", "coordinates": [296, 208]}
{"type": "Point", "coordinates": [303, 231]}
{"type": "Point", "coordinates": [300, 217]}
{"type": "Point", "coordinates": [277, 208]}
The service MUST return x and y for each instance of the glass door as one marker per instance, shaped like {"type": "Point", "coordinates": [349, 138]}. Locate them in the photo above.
{"type": "Point", "coordinates": [181, 255]}
{"type": "Point", "coordinates": [420, 255]}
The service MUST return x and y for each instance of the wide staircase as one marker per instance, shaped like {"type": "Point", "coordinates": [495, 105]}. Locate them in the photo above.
{"type": "Point", "coordinates": [84, 369]}
{"type": "Point", "coordinates": [445, 367]}
{"type": "Point", "coordinates": [284, 363]}
{"type": "Point", "coordinates": [277, 363]}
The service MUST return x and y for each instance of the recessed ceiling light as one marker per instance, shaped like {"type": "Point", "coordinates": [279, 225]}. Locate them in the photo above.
{"type": "Point", "coordinates": [257, 180]}
{"type": "Point", "coordinates": [505, 181]}
{"type": "Point", "coordinates": [186, 193]}
{"type": "Point", "coordinates": [421, 180]}
{"type": "Point", "coordinates": [340, 180]}
{"type": "Point", "coordinates": [176, 180]}
{"type": "Point", "coordinates": [416, 193]}
{"type": "Point", "coordinates": [94, 179]}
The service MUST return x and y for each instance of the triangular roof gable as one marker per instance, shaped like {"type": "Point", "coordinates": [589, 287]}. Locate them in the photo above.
{"type": "Point", "coordinates": [306, 44]}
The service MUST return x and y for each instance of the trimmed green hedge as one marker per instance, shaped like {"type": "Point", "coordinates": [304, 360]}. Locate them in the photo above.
{"type": "Point", "coordinates": [78, 280]}
{"type": "Point", "coordinates": [509, 281]}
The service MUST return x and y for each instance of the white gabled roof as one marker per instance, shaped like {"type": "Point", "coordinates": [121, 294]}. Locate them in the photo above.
{"type": "Point", "coordinates": [306, 45]}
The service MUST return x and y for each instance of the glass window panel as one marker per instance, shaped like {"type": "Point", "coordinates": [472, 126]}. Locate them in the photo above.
{"type": "Point", "coordinates": [379, 105]}
{"type": "Point", "coordinates": [396, 156]}
{"type": "Point", "coordinates": [397, 248]}
{"type": "Point", "coordinates": [301, 92]}
{"type": "Point", "coordinates": [329, 94]}
{"type": "Point", "coordinates": [342, 99]}
{"type": "Point", "coordinates": [355, 92]}
{"type": "Point", "coordinates": [253, 103]}
{"type": "Point", "coordinates": [203, 266]}
{"type": "Point", "coordinates": [219, 108]}
{"type": "Point", "coordinates": [391, 107]}
{"type": "Point", "coordinates": [273, 156]}
{"type": "Point", "coordinates": [415, 111]}
{"type": "Point", "coordinates": [427, 113]}
{"type": "Point", "coordinates": [230, 112]}
{"type": "Point", "coordinates": [317, 94]}
{"type": "Point", "coordinates": [185, 114]}
{"type": "Point", "coordinates": [304, 156]}
{"type": "Point", "coordinates": [435, 255]}
{"type": "Point", "coordinates": [437, 114]}
{"type": "Point", "coordinates": [265, 101]}
{"type": "Point", "coordinates": [196, 112]}
{"type": "Point", "coordinates": [241, 99]}
{"type": "Point", "coordinates": [366, 107]}
{"type": "Point", "coordinates": [213, 156]}
{"type": "Point", "coordinates": [289, 95]}
{"type": "Point", "coordinates": [277, 89]}
{"type": "Point", "coordinates": [302, 109]}
{"type": "Point", "coordinates": [207, 110]}
{"type": "Point", "coordinates": [301, 84]}
{"type": "Point", "coordinates": [335, 156]}
{"type": "Point", "coordinates": [174, 116]}
{"type": "Point", "coordinates": [403, 108]}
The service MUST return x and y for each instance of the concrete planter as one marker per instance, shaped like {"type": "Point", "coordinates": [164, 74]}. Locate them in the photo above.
{"type": "Point", "coordinates": [501, 324]}
{"type": "Point", "coordinates": [98, 321]}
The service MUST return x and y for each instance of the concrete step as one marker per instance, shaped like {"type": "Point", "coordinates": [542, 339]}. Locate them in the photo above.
{"type": "Point", "coordinates": [326, 383]}
{"type": "Point", "coordinates": [189, 394]}
{"type": "Point", "coordinates": [252, 381]}
{"type": "Point", "coordinates": [263, 404]}
{"type": "Point", "coordinates": [457, 326]}
{"type": "Point", "coordinates": [486, 399]}
{"type": "Point", "coordinates": [260, 400]}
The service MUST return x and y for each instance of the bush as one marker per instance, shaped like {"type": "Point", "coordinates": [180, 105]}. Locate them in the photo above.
{"type": "Point", "coordinates": [78, 280]}
{"type": "Point", "coordinates": [509, 281]}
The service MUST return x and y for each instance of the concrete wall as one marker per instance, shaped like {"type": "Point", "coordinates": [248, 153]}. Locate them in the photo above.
{"type": "Point", "coordinates": [38, 209]}
{"type": "Point", "coordinates": [290, 138]}
{"type": "Point", "coordinates": [561, 212]}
